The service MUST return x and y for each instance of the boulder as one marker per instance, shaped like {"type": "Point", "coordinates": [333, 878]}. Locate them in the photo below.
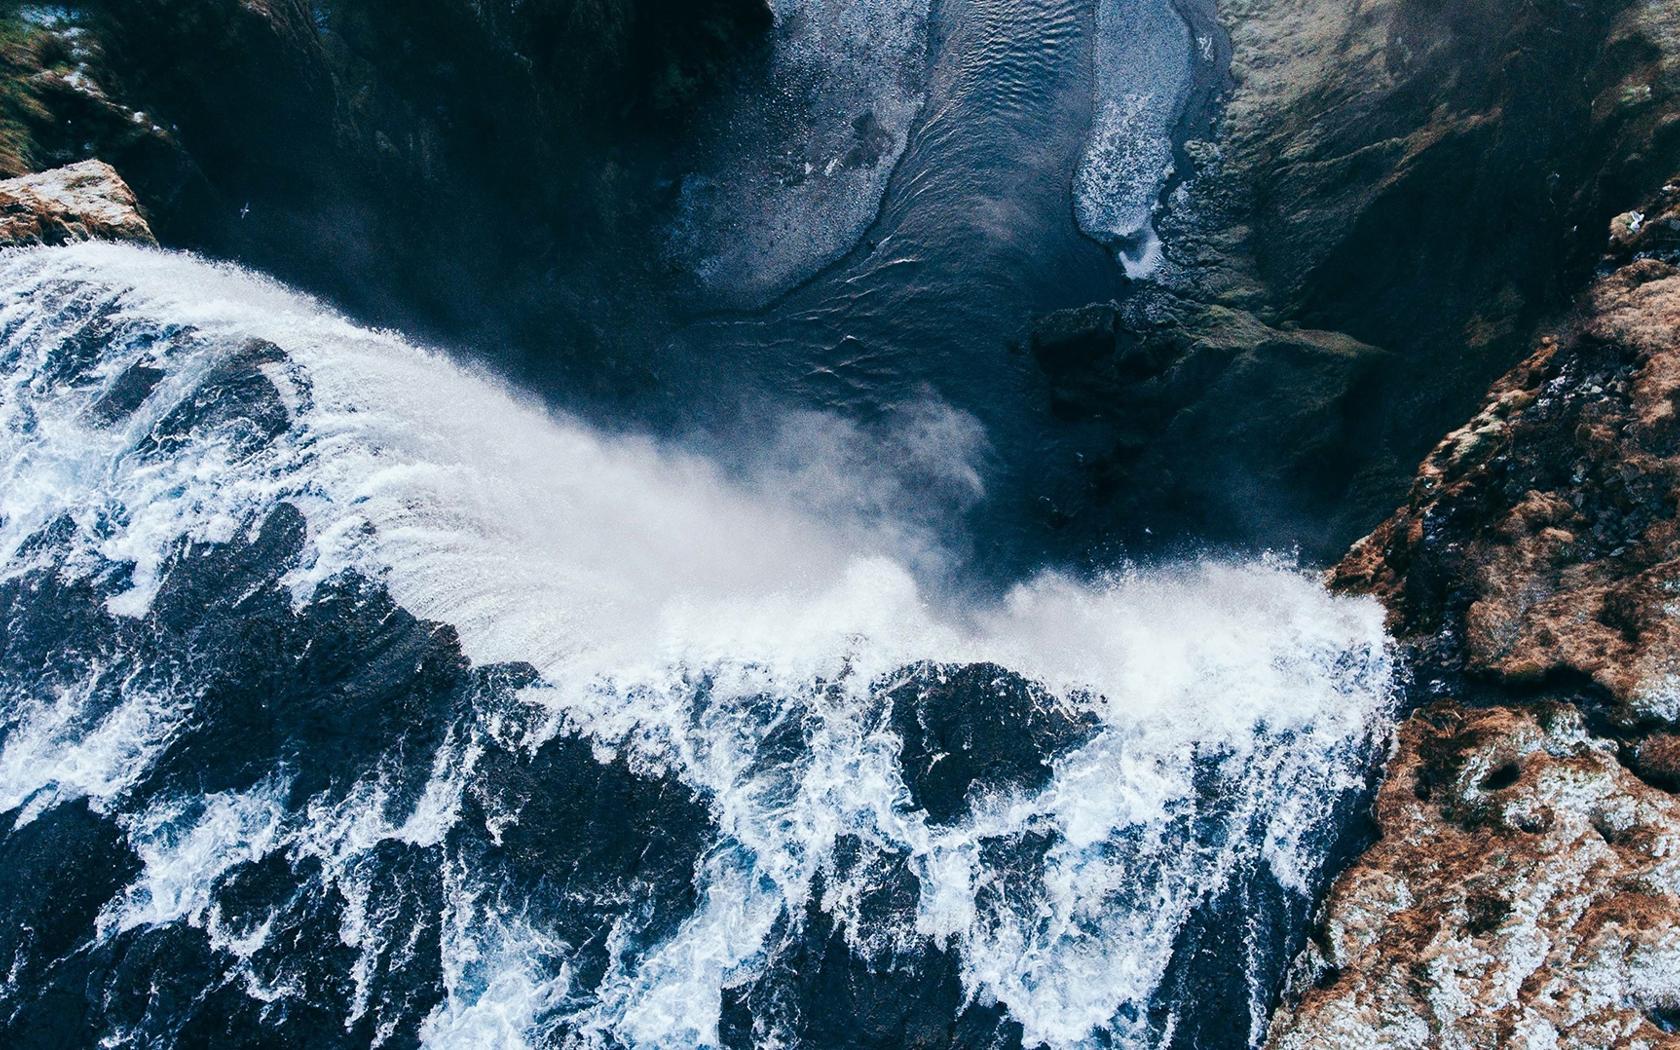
{"type": "Point", "coordinates": [86, 201]}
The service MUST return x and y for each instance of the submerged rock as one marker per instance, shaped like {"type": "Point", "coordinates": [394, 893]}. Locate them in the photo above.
{"type": "Point", "coordinates": [80, 202]}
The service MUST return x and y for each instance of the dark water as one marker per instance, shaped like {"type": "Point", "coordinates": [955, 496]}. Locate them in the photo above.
{"type": "Point", "coordinates": [973, 238]}
{"type": "Point", "coordinates": [348, 698]}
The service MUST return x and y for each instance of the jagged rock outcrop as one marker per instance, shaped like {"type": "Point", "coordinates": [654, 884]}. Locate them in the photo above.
{"type": "Point", "coordinates": [1523, 891]}
{"type": "Point", "coordinates": [1523, 894]}
{"type": "Point", "coordinates": [80, 202]}
{"type": "Point", "coordinates": [1429, 179]}
{"type": "Point", "coordinates": [1540, 540]}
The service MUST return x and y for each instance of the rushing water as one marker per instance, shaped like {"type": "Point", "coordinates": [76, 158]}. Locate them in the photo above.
{"type": "Point", "coordinates": [667, 758]}
{"type": "Point", "coordinates": [349, 697]}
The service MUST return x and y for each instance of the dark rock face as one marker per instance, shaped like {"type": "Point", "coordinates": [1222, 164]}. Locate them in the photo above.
{"type": "Point", "coordinates": [649, 59]}
{"type": "Point", "coordinates": [1423, 180]}
{"type": "Point", "coordinates": [55, 109]}
{"type": "Point", "coordinates": [1435, 181]}
{"type": "Point", "coordinates": [977, 726]}
{"type": "Point", "coordinates": [1216, 425]}
{"type": "Point", "coordinates": [434, 163]}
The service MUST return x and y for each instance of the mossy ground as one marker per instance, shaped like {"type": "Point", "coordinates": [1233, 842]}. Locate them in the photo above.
{"type": "Point", "coordinates": [21, 59]}
{"type": "Point", "coordinates": [32, 45]}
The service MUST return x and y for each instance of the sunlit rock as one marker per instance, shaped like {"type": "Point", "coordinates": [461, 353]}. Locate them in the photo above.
{"type": "Point", "coordinates": [81, 202]}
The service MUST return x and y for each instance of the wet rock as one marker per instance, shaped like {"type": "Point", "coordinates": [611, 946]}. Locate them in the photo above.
{"type": "Point", "coordinates": [64, 866]}
{"type": "Point", "coordinates": [1213, 423]}
{"type": "Point", "coordinates": [596, 854]}
{"type": "Point", "coordinates": [86, 201]}
{"type": "Point", "coordinates": [1522, 894]}
{"type": "Point", "coordinates": [56, 626]}
{"type": "Point", "coordinates": [325, 692]}
{"type": "Point", "coordinates": [1069, 341]}
{"type": "Point", "coordinates": [820, 989]}
{"type": "Point", "coordinates": [348, 691]}
{"type": "Point", "coordinates": [128, 393]}
{"type": "Point", "coordinates": [238, 401]}
{"type": "Point", "coordinates": [977, 727]}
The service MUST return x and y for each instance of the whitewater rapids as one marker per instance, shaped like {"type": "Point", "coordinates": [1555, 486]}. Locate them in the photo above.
{"type": "Point", "coordinates": [701, 629]}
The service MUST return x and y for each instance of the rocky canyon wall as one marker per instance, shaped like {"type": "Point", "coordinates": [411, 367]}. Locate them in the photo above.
{"type": "Point", "coordinates": [433, 163]}
{"type": "Point", "coordinates": [1523, 891]}
{"type": "Point", "coordinates": [1399, 193]}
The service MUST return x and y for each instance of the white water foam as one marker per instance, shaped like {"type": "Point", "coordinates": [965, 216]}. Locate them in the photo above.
{"type": "Point", "coordinates": [1143, 75]}
{"type": "Point", "coordinates": [626, 572]}
{"type": "Point", "coordinates": [51, 756]}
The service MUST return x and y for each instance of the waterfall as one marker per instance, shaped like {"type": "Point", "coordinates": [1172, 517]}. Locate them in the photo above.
{"type": "Point", "coordinates": [390, 705]}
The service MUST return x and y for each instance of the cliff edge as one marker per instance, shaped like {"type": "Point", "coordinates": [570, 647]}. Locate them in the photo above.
{"type": "Point", "coordinates": [1524, 890]}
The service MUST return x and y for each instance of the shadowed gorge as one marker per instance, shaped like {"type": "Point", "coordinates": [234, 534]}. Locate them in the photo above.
{"type": "Point", "coordinates": [834, 523]}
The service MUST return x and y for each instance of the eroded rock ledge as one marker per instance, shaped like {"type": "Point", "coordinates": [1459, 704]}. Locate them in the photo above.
{"type": "Point", "coordinates": [1524, 889]}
